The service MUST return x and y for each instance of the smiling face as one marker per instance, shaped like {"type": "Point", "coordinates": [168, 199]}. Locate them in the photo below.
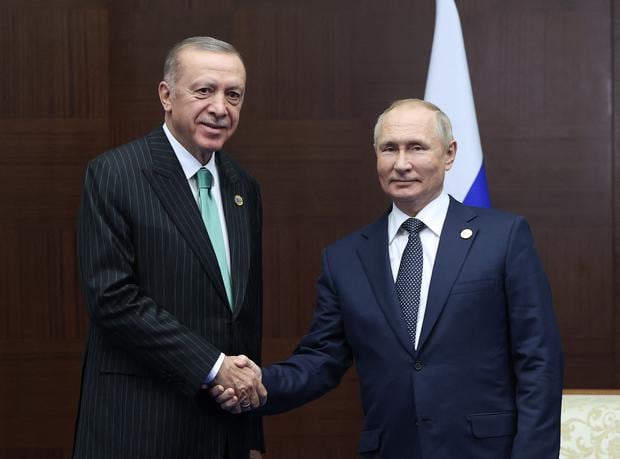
{"type": "Point", "coordinates": [203, 106]}
{"type": "Point", "coordinates": [411, 157]}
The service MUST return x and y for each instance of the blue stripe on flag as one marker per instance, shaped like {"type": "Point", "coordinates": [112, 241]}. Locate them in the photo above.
{"type": "Point", "coordinates": [478, 194]}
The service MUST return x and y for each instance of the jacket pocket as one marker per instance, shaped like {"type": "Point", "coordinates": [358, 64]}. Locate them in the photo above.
{"type": "Point", "coordinates": [486, 425]}
{"type": "Point", "coordinates": [474, 286]}
{"type": "Point", "coordinates": [370, 441]}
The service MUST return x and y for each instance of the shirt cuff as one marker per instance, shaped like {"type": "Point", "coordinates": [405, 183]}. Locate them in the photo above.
{"type": "Point", "coordinates": [215, 370]}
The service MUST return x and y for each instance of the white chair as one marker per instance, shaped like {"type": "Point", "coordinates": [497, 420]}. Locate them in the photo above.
{"type": "Point", "coordinates": [590, 424]}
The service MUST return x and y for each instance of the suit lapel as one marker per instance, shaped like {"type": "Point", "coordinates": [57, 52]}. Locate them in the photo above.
{"type": "Point", "coordinates": [235, 198]}
{"type": "Point", "coordinates": [168, 180]}
{"type": "Point", "coordinates": [451, 254]}
{"type": "Point", "coordinates": [373, 253]}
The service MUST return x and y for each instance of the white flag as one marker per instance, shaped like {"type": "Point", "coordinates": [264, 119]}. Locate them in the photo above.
{"type": "Point", "coordinates": [448, 86]}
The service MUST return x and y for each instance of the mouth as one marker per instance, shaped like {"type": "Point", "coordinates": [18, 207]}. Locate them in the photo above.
{"type": "Point", "coordinates": [214, 125]}
{"type": "Point", "coordinates": [403, 181]}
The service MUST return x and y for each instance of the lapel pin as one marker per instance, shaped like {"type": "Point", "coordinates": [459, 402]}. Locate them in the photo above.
{"type": "Point", "coordinates": [238, 200]}
{"type": "Point", "coordinates": [466, 233]}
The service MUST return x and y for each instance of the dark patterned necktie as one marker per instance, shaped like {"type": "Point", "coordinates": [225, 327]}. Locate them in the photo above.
{"type": "Point", "coordinates": [409, 279]}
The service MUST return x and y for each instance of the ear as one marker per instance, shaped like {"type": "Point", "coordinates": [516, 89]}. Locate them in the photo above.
{"type": "Point", "coordinates": [165, 94]}
{"type": "Point", "coordinates": [450, 155]}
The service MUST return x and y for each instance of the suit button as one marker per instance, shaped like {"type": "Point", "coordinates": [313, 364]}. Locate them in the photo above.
{"type": "Point", "coordinates": [418, 365]}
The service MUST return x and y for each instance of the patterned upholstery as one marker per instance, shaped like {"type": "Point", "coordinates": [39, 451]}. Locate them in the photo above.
{"type": "Point", "coordinates": [590, 424]}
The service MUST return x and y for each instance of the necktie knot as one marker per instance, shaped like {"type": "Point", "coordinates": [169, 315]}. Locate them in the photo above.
{"type": "Point", "coordinates": [413, 226]}
{"type": "Point", "coordinates": [204, 178]}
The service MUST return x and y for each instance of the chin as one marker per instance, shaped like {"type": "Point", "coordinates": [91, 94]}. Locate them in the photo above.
{"type": "Point", "coordinates": [405, 200]}
{"type": "Point", "coordinates": [404, 194]}
{"type": "Point", "coordinates": [211, 145]}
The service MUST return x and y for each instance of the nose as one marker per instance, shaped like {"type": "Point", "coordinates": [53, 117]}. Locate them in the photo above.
{"type": "Point", "coordinates": [217, 107]}
{"type": "Point", "coordinates": [402, 163]}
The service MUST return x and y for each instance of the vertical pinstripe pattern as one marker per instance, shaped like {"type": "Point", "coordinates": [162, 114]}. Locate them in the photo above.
{"type": "Point", "coordinates": [159, 314]}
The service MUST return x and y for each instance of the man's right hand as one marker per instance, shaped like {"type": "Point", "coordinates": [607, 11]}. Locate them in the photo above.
{"type": "Point", "coordinates": [241, 378]}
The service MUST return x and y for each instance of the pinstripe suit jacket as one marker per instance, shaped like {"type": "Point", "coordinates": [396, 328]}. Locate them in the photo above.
{"type": "Point", "coordinates": [158, 307]}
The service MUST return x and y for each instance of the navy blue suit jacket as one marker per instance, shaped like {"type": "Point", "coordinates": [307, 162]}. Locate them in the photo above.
{"type": "Point", "coordinates": [486, 380]}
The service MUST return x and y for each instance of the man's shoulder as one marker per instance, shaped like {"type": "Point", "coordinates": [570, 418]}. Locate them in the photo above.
{"type": "Point", "coordinates": [494, 223]}
{"type": "Point", "coordinates": [233, 168]}
{"type": "Point", "coordinates": [374, 229]}
{"type": "Point", "coordinates": [484, 214]}
{"type": "Point", "coordinates": [133, 153]}
{"type": "Point", "coordinates": [491, 213]}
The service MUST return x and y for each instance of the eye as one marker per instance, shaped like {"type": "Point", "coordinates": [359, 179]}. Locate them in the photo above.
{"type": "Point", "coordinates": [233, 96]}
{"type": "Point", "coordinates": [388, 148]}
{"type": "Point", "coordinates": [203, 92]}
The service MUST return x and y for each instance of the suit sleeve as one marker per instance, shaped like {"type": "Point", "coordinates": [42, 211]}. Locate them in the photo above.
{"type": "Point", "coordinates": [115, 302]}
{"type": "Point", "coordinates": [320, 359]}
{"type": "Point", "coordinates": [536, 349]}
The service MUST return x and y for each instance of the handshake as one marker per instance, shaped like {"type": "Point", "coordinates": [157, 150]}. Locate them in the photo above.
{"type": "Point", "coordinates": [238, 385]}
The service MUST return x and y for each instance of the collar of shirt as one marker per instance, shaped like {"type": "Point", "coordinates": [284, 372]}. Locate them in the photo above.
{"type": "Point", "coordinates": [189, 163]}
{"type": "Point", "coordinates": [433, 215]}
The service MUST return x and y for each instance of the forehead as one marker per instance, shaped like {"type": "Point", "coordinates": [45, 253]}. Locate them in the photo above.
{"type": "Point", "coordinates": [195, 63]}
{"type": "Point", "coordinates": [408, 121]}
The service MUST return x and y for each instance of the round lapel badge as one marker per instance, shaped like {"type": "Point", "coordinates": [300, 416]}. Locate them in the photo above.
{"type": "Point", "coordinates": [466, 233]}
{"type": "Point", "coordinates": [238, 200]}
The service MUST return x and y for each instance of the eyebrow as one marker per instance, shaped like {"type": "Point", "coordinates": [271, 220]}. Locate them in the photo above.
{"type": "Point", "coordinates": [201, 83]}
{"type": "Point", "coordinates": [386, 143]}
{"type": "Point", "coordinates": [405, 142]}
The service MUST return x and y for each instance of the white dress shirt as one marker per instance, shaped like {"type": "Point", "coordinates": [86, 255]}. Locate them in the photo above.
{"type": "Point", "coordinates": [190, 166]}
{"type": "Point", "coordinates": [433, 216]}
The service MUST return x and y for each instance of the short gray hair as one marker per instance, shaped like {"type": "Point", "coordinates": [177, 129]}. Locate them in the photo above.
{"type": "Point", "coordinates": [444, 127]}
{"type": "Point", "coordinates": [172, 67]}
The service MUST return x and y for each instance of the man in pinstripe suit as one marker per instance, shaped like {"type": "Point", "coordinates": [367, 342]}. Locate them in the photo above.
{"type": "Point", "coordinates": [165, 312]}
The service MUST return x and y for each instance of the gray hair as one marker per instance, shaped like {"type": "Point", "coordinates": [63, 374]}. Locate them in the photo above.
{"type": "Point", "coordinates": [172, 67]}
{"type": "Point", "coordinates": [444, 127]}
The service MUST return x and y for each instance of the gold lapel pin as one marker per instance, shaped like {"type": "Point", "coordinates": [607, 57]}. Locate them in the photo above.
{"type": "Point", "coordinates": [238, 200]}
{"type": "Point", "coordinates": [466, 233]}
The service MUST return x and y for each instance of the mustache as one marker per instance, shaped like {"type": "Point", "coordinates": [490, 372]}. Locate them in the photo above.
{"type": "Point", "coordinates": [215, 123]}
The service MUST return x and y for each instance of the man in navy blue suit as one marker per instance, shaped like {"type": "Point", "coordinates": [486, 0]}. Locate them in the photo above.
{"type": "Point", "coordinates": [445, 310]}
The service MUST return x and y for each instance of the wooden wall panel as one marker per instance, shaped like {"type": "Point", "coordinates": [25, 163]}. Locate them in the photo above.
{"type": "Point", "coordinates": [39, 391]}
{"type": "Point", "coordinates": [81, 76]}
{"type": "Point", "coordinates": [615, 242]}
{"type": "Point", "coordinates": [53, 118]}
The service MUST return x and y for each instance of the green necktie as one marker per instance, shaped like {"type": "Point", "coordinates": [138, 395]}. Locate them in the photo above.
{"type": "Point", "coordinates": [211, 217]}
